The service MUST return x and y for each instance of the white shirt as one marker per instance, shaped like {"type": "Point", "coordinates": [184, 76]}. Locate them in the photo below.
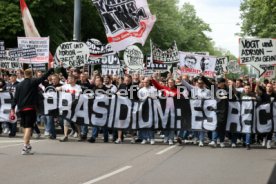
{"type": "Point", "coordinates": [68, 88]}
{"type": "Point", "coordinates": [146, 92]}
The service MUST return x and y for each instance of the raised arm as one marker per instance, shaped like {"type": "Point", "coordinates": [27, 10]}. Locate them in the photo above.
{"type": "Point", "coordinates": [157, 85]}
{"type": "Point", "coordinates": [44, 77]}
{"type": "Point", "coordinates": [187, 85]}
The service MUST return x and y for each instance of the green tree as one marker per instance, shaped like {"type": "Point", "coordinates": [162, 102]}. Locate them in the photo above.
{"type": "Point", "coordinates": [258, 18]}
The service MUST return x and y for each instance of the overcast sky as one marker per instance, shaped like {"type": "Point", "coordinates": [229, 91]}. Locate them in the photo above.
{"type": "Point", "coordinates": [222, 16]}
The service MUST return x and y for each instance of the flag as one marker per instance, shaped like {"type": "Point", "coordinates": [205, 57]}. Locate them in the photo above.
{"type": "Point", "coordinates": [125, 22]}
{"type": "Point", "coordinates": [29, 26]}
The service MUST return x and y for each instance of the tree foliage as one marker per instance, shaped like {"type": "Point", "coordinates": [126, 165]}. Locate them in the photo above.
{"type": "Point", "coordinates": [55, 19]}
{"type": "Point", "coordinates": [258, 18]}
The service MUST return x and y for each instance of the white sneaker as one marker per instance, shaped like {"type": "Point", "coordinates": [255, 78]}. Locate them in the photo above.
{"type": "Point", "coordinates": [6, 130]}
{"type": "Point", "coordinates": [233, 145]}
{"type": "Point", "coordinates": [213, 144]}
{"type": "Point", "coordinates": [170, 142]}
{"type": "Point", "coordinates": [46, 133]}
{"type": "Point", "coordinates": [132, 141]}
{"type": "Point", "coordinates": [239, 141]}
{"type": "Point", "coordinates": [118, 141]}
{"type": "Point", "coordinates": [200, 144]}
{"type": "Point", "coordinates": [36, 136]}
{"type": "Point", "coordinates": [162, 136]}
{"type": "Point", "coordinates": [186, 141]}
{"type": "Point", "coordinates": [75, 135]}
{"type": "Point", "coordinates": [152, 142]}
{"type": "Point", "coordinates": [222, 145]}
{"type": "Point", "coordinates": [144, 141]}
{"type": "Point", "coordinates": [195, 141]}
{"type": "Point", "coordinates": [218, 141]}
{"type": "Point", "coordinates": [263, 143]}
{"type": "Point", "coordinates": [268, 144]}
{"type": "Point", "coordinates": [165, 140]}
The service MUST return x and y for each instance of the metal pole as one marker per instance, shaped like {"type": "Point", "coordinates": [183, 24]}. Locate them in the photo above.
{"type": "Point", "coordinates": [77, 20]}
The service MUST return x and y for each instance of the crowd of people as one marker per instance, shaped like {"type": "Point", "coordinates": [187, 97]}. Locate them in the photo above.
{"type": "Point", "coordinates": [76, 81]}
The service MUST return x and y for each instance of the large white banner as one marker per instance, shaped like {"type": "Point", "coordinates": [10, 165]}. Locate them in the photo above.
{"type": "Point", "coordinates": [195, 64]}
{"type": "Point", "coordinates": [126, 22]}
{"type": "Point", "coordinates": [41, 44]}
{"type": "Point", "coordinates": [256, 51]}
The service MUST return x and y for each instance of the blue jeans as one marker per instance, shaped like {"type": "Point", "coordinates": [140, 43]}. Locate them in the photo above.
{"type": "Point", "coordinates": [169, 134]}
{"type": "Point", "coordinates": [247, 138]}
{"type": "Point", "coordinates": [84, 130]}
{"type": "Point", "coordinates": [50, 126]}
{"type": "Point", "coordinates": [216, 135]}
{"type": "Point", "coordinates": [146, 134]}
{"type": "Point", "coordinates": [183, 134]}
{"type": "Point", "coordinates": [95, 132]}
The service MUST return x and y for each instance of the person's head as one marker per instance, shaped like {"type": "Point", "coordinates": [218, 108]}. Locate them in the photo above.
{"type": "Point", "coordinates": [185, 77]}
{"type": "Point", "coordinates": [99, 81]}
{"type": "Point", "coordinates": [231, 83]}
{"type": "Point", "coordinates": [55, 79]}
{"type": "Point", "coordinates": [247, 89]}
{"type": "Point", "coordinates": [127, 79]}
{"type": "Point", "coordinates": [135, 77]}
{"type": "Point", "coordinates": [83, 78]}
{"type": "Point", "coordinates": [19, 73]}
{"type": "Point", "coordinates": [76, 73]}
{"type": "Point", "coordinates": [38, 74]}
{"type": "Point", "coordinates": [269, 88]}
{"type": "Point", "coordinates": [171, 83]}
{"type": "Point", "coordinates": [28, 73]}
{"type": "Point", "coordinates": [200, 83]}
{"type": "Point", "coordinates": [146, 82]}
{"type": "Point", "coordinates": [177, 81]}
{"type": "Point", "coordinates": [13, 78]}
{"type": "Point", "coordinates": [239, 83]}
{"type": "Point", "coordinates": [107, 80]}
{"type": "Point", "coordinates": [72, 79]}
{"type": "Point", "coordinates": [221, 82]}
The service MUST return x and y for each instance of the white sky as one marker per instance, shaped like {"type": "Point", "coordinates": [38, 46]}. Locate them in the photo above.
{"type": "Point", "coordinates": [222, 16]}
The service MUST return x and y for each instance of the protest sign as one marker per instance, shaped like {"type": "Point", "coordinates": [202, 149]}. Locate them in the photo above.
{"type": "Point", "coordinates": [41, 44]}
{"type": "Point", "coordinates": [134, 58]}
{"type": "Point", "coordinates": [234, 67]}
{"type": "Point", "coordinates": [98, 50]}
{"type": "Point", "coordinates": [9, 62]}
{"type": "Point", "coordinates": [269, 71]}
{"type": "Point", "coordinates": [195, 64]}
{"type": "Point", "coordinates": [221, 65]}
{"type": "Point", "coordinates": [73, 54]}
{"type": "Point", "coordinates": [169, 56]}
{"type": "Point", "coordinates": [2, 49]}
{"type": "Point", "coordinates": [258, 51]}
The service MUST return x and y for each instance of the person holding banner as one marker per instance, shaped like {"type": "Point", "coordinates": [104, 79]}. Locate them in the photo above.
{"type": "Point", "coordinates": [126, 89]}
{"type": "Point", "coordinates": [265, 95]}
{"type": "Point", "coordinates": [198, 92]}
{"type": "Point", "coordinates": [26, 98]}
{"type": "Point", "coordinates": [73, 88]}
{"type": "Point", "coordinates": [145, 92]}
{"type": "Point", "coordinates": [168, 91]}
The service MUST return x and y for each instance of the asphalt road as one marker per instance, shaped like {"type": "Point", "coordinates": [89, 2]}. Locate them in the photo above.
{"type": "Point", "coordinates": [85, 163]}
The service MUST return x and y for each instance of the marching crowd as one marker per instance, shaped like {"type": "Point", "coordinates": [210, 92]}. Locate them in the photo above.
{"type": "Point", "coordinates": [138, 87]}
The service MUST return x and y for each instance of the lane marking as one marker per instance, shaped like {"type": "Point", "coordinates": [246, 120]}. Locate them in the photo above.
{"type": "Point", "coordinates": [108, 175]}
{"type": "Point", "coordinates": [7, 141]}
{"type": "Point", "coordinates": [165, 150]}
{"type": "Point", "coordinates": [13, 145]}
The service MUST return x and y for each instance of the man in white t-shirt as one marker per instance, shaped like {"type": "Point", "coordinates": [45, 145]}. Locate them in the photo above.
{"type": "Point", "coordinates": [145, 92]}
{"type": "Point", "coordinates": [73, 88]}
